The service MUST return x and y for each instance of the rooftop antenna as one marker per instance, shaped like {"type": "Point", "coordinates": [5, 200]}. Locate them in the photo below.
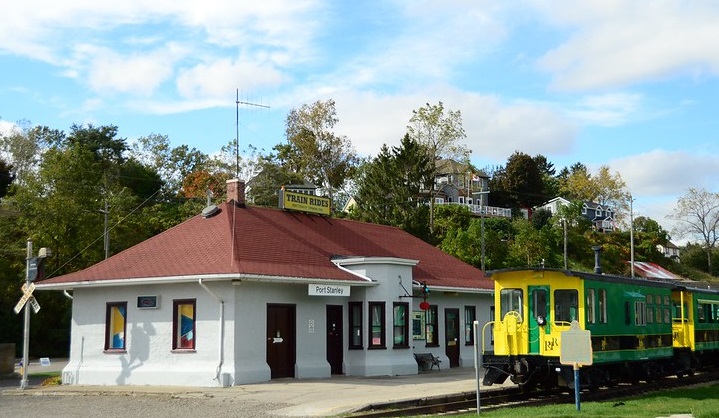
{"type": "Point", "coordinates": [237, 132]}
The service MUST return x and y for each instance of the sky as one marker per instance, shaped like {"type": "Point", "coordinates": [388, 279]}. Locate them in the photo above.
{"type": "Point", "coordinates": [629, 84]}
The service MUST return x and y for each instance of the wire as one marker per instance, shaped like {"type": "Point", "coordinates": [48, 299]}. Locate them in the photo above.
{"type": "Point", "coordinates": [103, 235]}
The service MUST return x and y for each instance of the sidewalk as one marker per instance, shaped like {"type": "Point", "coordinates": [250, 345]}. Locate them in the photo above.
{"type": "Point", "coordinates": [301, 397]}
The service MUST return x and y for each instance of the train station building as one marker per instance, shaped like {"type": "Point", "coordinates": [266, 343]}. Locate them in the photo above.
{"type": "Point", "coordinates": [243, 294]}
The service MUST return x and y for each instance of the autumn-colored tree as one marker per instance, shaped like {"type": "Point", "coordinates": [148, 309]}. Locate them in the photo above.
{"type": "Point", "coordinates": [439, 132]}
{"type": "Point", "coordinates": [314, 151]}
{"type": "Point", "coordinates": [198, 183]}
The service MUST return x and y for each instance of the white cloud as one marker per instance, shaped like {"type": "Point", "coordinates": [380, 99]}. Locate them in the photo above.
{"type": "Point", "coordinates": [138, 74]}
{"type": "Point", "coordinates": [89, 40]}
{"type": "Point", "coordinates": [611, 109]}
{"type": "Point", "coordinates": [215, 79]}
{"type": "Point", "coordinates": [494, 129]}
{"type": "Point", "coordinates": [617, 43]}
{"type": "Point", "coordinates": [667, 173]}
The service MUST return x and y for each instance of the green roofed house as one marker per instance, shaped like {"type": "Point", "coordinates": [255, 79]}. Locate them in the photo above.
{"type": "Point", "coordinates": [241, 294]}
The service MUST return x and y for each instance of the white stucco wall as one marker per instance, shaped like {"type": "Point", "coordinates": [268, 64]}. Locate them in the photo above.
{"type": "Point", "coordinates": [240, 355]}
{"type": "Point", "coordinates": [149, 359]}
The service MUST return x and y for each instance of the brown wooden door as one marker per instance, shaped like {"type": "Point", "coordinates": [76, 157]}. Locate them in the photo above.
{"type": "Point", "coordinates": [334, 338]}
{"type": "Point", "coordinates": [281, 340]}
{"type": "Point", "coordinates": [451, 332]}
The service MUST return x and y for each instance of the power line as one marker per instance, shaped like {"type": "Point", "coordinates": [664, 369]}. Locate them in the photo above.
{"type": "Point", "coordinates": [104, 235]}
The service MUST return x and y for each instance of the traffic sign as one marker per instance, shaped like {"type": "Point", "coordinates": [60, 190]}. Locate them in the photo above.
{"type": "Point", "coordinates": [26, 295]}
{"type": "Point", "coordinates": [34, 304]}
{"type": "Point", "coordinates": [32, 269]}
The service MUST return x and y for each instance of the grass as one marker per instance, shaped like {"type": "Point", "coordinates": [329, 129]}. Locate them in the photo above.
{"type": "Point", "coordinates": [701, 402]}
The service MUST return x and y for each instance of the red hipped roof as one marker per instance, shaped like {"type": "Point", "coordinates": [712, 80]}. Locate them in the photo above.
{"type": "Point", "coordinates": [275, 243]}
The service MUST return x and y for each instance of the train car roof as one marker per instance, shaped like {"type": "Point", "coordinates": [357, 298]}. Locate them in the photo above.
{"type": "Point", "coordinates": [593, 276]}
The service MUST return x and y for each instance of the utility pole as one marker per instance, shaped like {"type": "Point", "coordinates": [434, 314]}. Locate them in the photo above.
{"type": "Point", "coordinates": [33, 269]}
{"type": "Point", "coordinates": [106, 211]}
{"type": "Point", "coordinates": [564, 224]}
{"type": "Point", "coordinates": [631, 232]}
{"type": "Point", "coordinates": [237, 128]}
{"type": "Point", "coordinates": [26, 327]}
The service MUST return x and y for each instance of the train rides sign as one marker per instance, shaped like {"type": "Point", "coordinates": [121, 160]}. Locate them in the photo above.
{"type": "Point", "coordinates": [302, 202]}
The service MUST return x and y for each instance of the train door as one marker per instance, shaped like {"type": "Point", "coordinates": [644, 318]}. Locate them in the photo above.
{"type": "Point", "coordinates": [538, 309]}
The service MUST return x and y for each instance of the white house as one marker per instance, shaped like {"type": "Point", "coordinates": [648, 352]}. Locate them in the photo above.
{"type": "Point", "coordinates": [243, 294]}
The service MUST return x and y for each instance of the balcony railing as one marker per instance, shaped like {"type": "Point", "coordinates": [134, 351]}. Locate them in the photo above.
{"type": "Point", "coordinates": [482, 210]}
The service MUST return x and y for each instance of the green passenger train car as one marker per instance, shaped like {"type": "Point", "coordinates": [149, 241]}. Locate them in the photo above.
{"type": "Point", "coordinates": [640, 329]}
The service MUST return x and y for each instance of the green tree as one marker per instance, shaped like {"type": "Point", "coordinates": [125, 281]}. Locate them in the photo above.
{"type": "Point", "coordinates": [550, 182]}
{"type": "Point", "coordinates": [518, 184]}
{"type": "Point", "coordinates": [24, 148]}
{"type": "Point", "coordinates": [263, 189]}
{"type": "Point", "coordinates": [465, 243]}
{"type": "Point", "coordinates": [439, 133]}
{"type": "Point", "coordinates": [529, 247]}
{"type": "Point", "coordinates": [6, 177]}
{"type": "Point", "coordinates": [172, 164]}
{"type": "Point", "coordinates": [389, 188]}
{"type": "Point", "coordinates": [314, 151]}
{"type": "Point", "coordinates": [697, 216]}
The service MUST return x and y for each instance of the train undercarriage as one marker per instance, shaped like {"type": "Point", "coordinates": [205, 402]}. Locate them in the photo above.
{"type": "Point", "coordinates": [531, 371]}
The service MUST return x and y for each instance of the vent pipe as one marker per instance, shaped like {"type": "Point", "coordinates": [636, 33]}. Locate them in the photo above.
{"type": "Point", "coordinates": [597, 259]}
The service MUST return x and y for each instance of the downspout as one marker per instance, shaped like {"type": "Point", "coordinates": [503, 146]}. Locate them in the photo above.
{"type": "Point", "coordinates": [221, 349]}
{"type": "Point", "coordinates": [69, 296]}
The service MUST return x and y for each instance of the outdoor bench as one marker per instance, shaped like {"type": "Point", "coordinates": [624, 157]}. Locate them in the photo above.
{"type": "Point", "coordinates": [427, 360]}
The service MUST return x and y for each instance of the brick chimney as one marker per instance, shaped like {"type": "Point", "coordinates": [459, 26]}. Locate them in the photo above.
{"type": "Point", "coordinates": [236, 191]}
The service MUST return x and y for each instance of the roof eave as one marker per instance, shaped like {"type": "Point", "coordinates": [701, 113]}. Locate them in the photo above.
{"type": "Point", "coordinates": [234, 278]}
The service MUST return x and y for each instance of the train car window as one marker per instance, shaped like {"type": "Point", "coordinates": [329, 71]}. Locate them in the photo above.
{"type": "Point", "coordinates": [640, 313]}
{"type": "Point", "coordinates": [659, 315]}
{"type": "Point", "coordinates": [677, 315]}
{"type": "Point", "coordinates": [650, 314]}
{"type": "Point", "coordinates": [566, 303]}
{"type": "Point", "coordinates": [589, 306]}
{"type": "Point", "coordinates": [700, 313]}
{"type": "Point", "coordinates": [603, 306]}
{"type": "Point", "coordinates": [666, 300]}
{"type": "Point", "coordinates": [667, 316]}
{"type": "Point", "coordinates": [539, 304]}
{"type": "Point", "coordinates": [627, 314]}
{"type": "Point", "coordinates": [491, 329]}
{"type": "Point", "coordinates": [511, 300]}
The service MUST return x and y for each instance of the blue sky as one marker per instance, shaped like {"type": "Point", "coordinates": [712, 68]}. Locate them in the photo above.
{"type": "Point", "coordinates": [628, 84]}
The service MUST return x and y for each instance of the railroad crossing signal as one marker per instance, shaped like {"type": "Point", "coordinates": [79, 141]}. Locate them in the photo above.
{"type": "Point", "coordinates": [27, 290]}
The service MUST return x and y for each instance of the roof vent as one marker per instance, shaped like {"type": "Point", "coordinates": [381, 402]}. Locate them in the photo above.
{"type": "Point", "coordinates": [210, 211]}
